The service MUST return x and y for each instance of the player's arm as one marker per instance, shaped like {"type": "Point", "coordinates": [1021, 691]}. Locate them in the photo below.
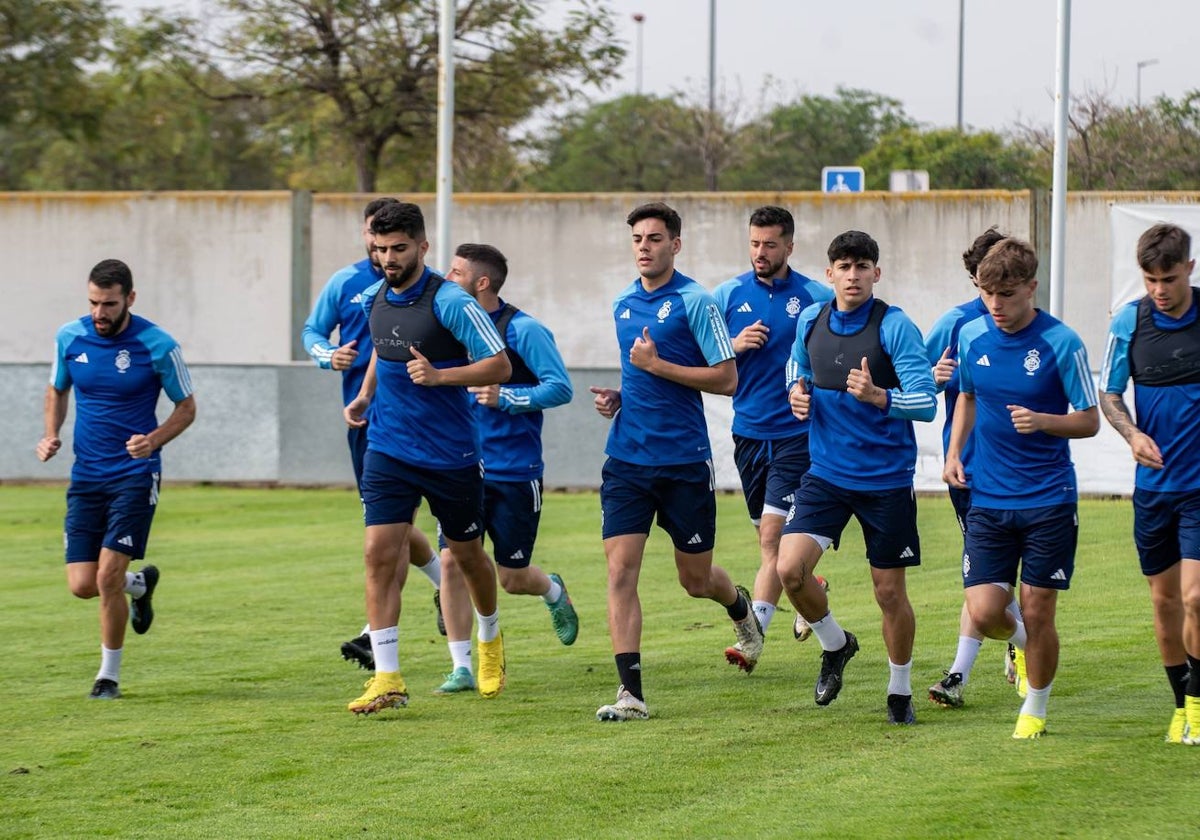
{"type": "Point", "coordinates": [356, 410]}
{"type": "Point", "coordinates": [916, 397]}
{"type": "Point", "coordinates": [1078, 387]}
{"type": "Point", "coordinates": [1114, 377]}
{"type": "Point", "coordinates": [719, 378]}
{"type": "Point", "coordinates": [535, 345]}
{"type": "Point", "coordinates": [182, 416]}
{"type": "Point", "coordinates": [321, 323]}
{"type": "Point", "coordinates": [939, 349]}
{"type": "Point", "coordinates": [488, 363]}
{"type": "Point", "coordinates": [54, 414]}
{"type": "Point", "coordinates": [953, 472]}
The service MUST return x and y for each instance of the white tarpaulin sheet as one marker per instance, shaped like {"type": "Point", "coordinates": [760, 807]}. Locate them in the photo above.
{"type": "Point", "coordinates": [1127, 223]}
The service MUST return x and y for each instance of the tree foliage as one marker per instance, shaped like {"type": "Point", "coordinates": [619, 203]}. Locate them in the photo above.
{"type": "Point", "coordinates": [376, 61]}
{"type": "Point", "coordinates": [955, 160]}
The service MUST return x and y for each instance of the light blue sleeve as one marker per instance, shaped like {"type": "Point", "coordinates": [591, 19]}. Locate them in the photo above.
{"type": "Point", "coordinates": [821, 292]}
{"type": "Point", "coordinates": [168, 364]}
{"type": "Point", "coordinates": [916, 398]}
{"type": "Point", "coordinates": [323, 319]}
{"type": "Point", "coordinates": [1116, 370]}
{"type": "Point", "coordinates": [707, 323]}
{"type": "Point", "coordinates": [798, 365]}
{"type": "Point", "coordinates": [966, 335]}
{"type": "Point", "coordinates": [60, 377]}
{"type": "Point", "coordinates": [534, 343]}
{"type": "Point", "coordinates": [464, 317]}
{"type": "Point", "coordinates": [1074, 370]}
{"type": "Point", "coordinates": [721, 296]}
{"type": "Point", "coordinates": [368, 296]}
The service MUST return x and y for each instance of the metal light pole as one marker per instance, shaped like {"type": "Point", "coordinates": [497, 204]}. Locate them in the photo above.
{"type": "Point", "coordinates": [639, 19]}
{"type": "Point", "coordinates": [712, 55]}
{"type": "Point", "coordinates": [961, 17]}
{"type": "Point", "coordinates": [1058, 196]}
{"type": "Point", "coordinates": [1149, 62]}
{"type": "Point", "coordinates": [445, 133]}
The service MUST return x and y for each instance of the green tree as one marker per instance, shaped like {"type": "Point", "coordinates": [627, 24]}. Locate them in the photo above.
{"type": "Point", "coordinates": [955, 160]}
{"type": "Point", "coordinates": [787, 148]}
{"type": "Point", "coordinates": [633, 143]}
{"type": "Point", "coordinates": [376, 61]}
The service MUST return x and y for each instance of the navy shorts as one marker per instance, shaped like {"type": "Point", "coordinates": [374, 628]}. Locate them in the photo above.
{"type": "Point", "coordinates": [1041, 541]}
{"type": "Point", "coordinates": [681, 495]}
{"type": "Point", "coordinates": [512, 511]}
{"type": "Point", "coordinates": [110, 514]}
{"type": "Point", "coordinates": [1166, 528]}
{"type": "Point", "coordinates": [888, 519]}
{"type": "Point", "coordinates": [357, 438]}
{"type": "Point", "coordinates": [770, 471]}
{"type": "Point", "coordinates": [392, 490]}
{"type": "Point", "coordinates": [961, 500]}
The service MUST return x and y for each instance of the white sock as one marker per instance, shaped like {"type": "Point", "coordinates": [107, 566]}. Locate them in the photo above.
{"type": "Point", "coordinates": [385, 645]}
{"type": "Point", "coordinates": [135, 584]}
{"type": "Point", "coordinates": [553, 593]}
{"type": "Point", "coordinates": [765, 611]}
{"type": "Point", "coordinates": [460, 654]}
{"type": "Point", "coordinates": [1035, 702]}
{"type": "Point", "coordinates": [1014, 607]}
{"type": "Point", "coordinates": [110, 664]}
{"type": "Point", "coordinates": [829, 633]}
{"type": "Point", "coordinates": [489, 626]}
{"type": "Point", "coordinates": [900, 678]}
{"type": "Point", "coordinates": [1018, 638]}
{"type": "Point", "coordinates": [964, 659]}
{"type": "Point", "coordinates": [433, 571]}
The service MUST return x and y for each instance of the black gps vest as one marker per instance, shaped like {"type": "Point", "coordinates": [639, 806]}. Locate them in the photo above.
{"type": "Point", "coordinates": [1164, 357]}
{"type": "Point", "coordinates": [521, 374]}
{"type": "Point", "coordinates": [831, 356]}
{"type": "Point", "coordinates": [396, 327]}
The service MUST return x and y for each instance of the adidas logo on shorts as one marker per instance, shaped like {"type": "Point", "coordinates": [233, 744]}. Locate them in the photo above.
{"type": "Point", "coordinates": [695, 540]}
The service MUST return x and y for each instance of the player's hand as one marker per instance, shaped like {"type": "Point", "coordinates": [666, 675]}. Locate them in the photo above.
{"type": "Point", "coordinates": [860, 384]}
{"type": "Point", "coordinates": [644, 352]}
{"type": "Point", "coordinates": [954, 474]}
{"type": "Point", "coordinates": [753, 337]}
{"type": "Point", "coordinates": [139, 446]}
{"type": "Point", "coordinates": [607, 401]}
{"type": "Point", "coordinates": [421, 371]}
{"type": "Point", "coordinates": [1146, 451]}
{"type": "Point", "coordinates": [800, 400]}
{"type": "Point", "coordinates": [945, 367]}
{"type": "Point", "coordinates": [488, 395]}
{"type": "Point", "coordinates": [48, 447]}
{"type": "Point", "coordinates": [344, 356]}
{"type": "Point", "coordinates": [1026, 422]}
{"type": "Point", "coordinates": [354, 413]}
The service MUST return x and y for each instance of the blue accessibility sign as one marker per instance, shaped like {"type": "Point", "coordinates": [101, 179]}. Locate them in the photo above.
{"type": "Point", "coordinates": [835, 179]}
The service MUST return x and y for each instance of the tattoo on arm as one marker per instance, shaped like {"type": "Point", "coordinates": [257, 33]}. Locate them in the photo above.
{"type": "Point", "coordinates": [1118, 416]}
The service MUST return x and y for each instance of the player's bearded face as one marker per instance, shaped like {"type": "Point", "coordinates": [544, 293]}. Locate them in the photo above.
{"type": "Point", "coordinates": [109, 310]}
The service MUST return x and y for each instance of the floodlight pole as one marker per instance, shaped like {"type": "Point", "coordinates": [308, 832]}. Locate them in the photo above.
{"type": "Point", "coordinates": [445, 133]}
{"type": "Point", "coordinates": [1058, 197]}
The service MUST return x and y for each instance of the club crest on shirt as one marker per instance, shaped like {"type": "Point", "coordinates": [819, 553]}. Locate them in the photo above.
{"type": "Point", "coordinates": [664, 311]}
{"type": "Point", "coordinates": [1033, 361]}
{"type": "Point", "coordinates": [123, 361]}
{"type": "Point", "coordinates": [793, 307]}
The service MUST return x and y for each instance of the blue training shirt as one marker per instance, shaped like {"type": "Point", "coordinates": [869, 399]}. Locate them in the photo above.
{"type": "Point", "coordinates": [1169, 414]}
{"type": "Point", "coordinates": [1042, 367]}
{"type": "Point", "coordinates": [512, 431]}
{"type": "Point", "coordinates": [853, 444]}
{"type": "Point", "coordinates": [433, 427]}
{"type": "Point", "coordinates": [943, 335]}
{"type": "Point", "coordinates": [117, 381]}
{"type": "Point", "coordinates": [340, 307]}
{"type": "Point", "coordinates": [661, 423]}
{"type": "Point", "coordinates": [760, 405]}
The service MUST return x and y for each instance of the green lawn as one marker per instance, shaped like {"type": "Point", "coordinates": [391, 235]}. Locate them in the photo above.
{"type": "Point", "coordinates": [233, 722]}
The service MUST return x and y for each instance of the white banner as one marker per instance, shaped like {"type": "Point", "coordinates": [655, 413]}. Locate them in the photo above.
{"type": "Point", "coordinates": [1127, 223]}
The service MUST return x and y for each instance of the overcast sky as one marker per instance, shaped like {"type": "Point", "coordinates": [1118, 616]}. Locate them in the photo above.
{"type": "Point", "coordinates": [906, 49]}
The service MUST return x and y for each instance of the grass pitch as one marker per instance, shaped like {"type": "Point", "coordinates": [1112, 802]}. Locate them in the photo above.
{"type": "Point", "coordinates": [233, 722]}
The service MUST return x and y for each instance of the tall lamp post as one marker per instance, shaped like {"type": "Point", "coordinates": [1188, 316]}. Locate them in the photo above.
{"type": "Point", "coordinates": [1149, 62]}
{"type": "Point", "coordinates": [961, 25]}
{"type": "Point", "coordinates": [639, 19]}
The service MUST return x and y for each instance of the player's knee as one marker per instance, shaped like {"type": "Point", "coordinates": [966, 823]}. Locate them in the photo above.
{"type": "Point", "coordinates": [83, 588]}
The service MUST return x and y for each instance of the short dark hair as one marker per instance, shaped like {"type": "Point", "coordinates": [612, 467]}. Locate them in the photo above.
{"type": "Point", "coordinates": [983, 243]}
{"type": "Point", "coordinates": [109, 273]}
{"type": "Point", "coordinates": [1010, 263]}
{"type": "Point", "coordinates": [488, 258]}
{"type": "Point", "coordinates": [399, 217]}
{"type": "Point", "coordinates": [657, 210]}
{"type": "Point", "coordinates": [854, 244]}
{"type": "Point", "coordinates": [772, 216]}
{"type": "Point", "coordinates": [377, 204]}
{"type": "Point", "coordinates": [1163, 246]}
